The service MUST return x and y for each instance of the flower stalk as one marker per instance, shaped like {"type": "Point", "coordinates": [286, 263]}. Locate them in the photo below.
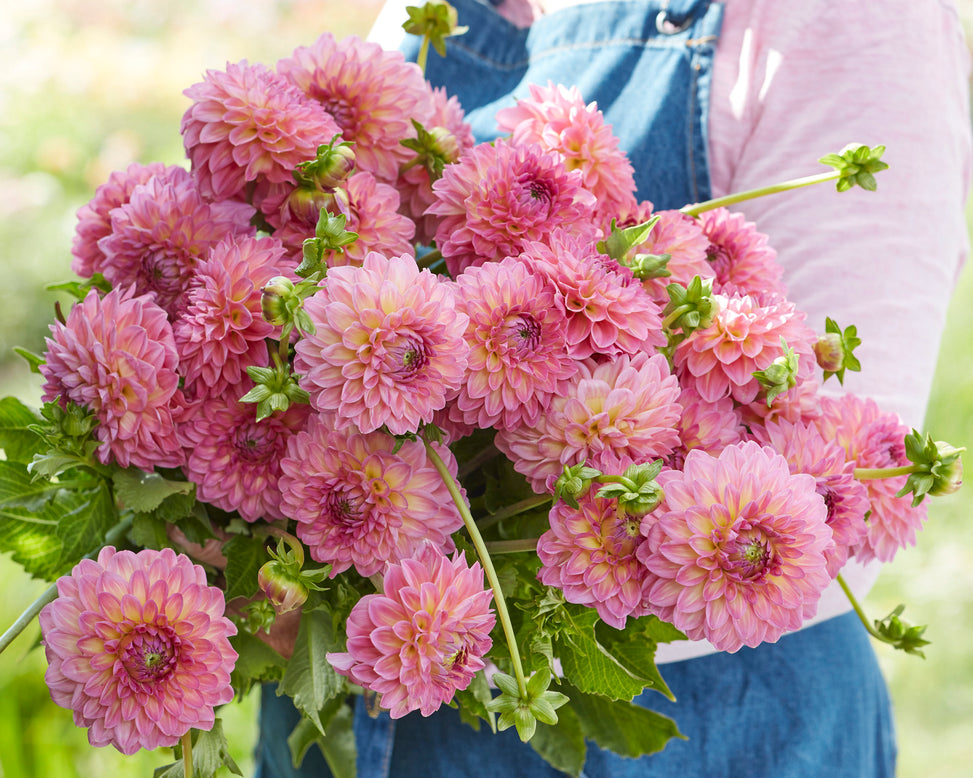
{"type": "Point", "coordinates": [187, 753]}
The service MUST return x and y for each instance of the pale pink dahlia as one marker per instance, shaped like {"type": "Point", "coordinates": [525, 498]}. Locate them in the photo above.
{"type": "Point", "coordinates": [607, 312]}
{"type": "Point", "coordinates": [738, 548]}
{"type": "Point", "coordinates": [518, 357]}
{"type": "Point", "coordinates": [363, 500]}
{"type": "Point", "coordinates": [159, 235]}
{"type": "Point", "coordinates": [744, 337]}
{"type": "Point", "coordinates": [742, 260]}
{"type": "Point", "coordinates": [500, 197]}
{"type": "Point", "coordinates": [235, 459]}
{"type": "Point", "coordinates": [94, 218]}
{"type": "Point", "coordinates": [846, 499]}
{"type": "Point", "coordinates": [556, 118]}
{"type": "Point", "coordinates": [373, 95]}
{"type": "Point", "coordinates": [609, 415]}
{"type": "Point", "coordinates": [872, 438]}
{"type": "Point", "coordinates": [710, 427]}
{"type": "Point", "coordinates": [247, 124]}
{"type": "Point", "coordinates": [388, 347]}
{"type": "Point", "coordinates": [590, 554]}
{"type": "Point", "coordinates": [223, 331]}
{"type": "Point", "coordinates": [137, 647]}
{"type": "Point", "coordinates": [116, 355]}
{"type": "Point", "coordinates": [423, 639]}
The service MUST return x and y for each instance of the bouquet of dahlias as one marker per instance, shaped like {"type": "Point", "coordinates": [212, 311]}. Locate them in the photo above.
{"type": "Point", "coordinates": [356, 405]}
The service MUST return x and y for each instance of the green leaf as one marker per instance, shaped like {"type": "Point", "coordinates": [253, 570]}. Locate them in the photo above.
{"type": "Point", "coordinates": [309, 679]}
{"type": "Point", "coordinates": [144, 492]}
{"type": "Point", "coordinates": [336, 717]}
{"type": "Point", "coordinates": [472, 703]}
{"type": "Point", "coordinates": [84, 522]}
{"type": "Point", "coordinates": [562, 746]}
{"type": "Point", "coordinates": [623, 727]}
{"type": "Point", "coordinates": [148, 531]}
{"type": "Point", "coordinates": [34, 361]}
{"type": "Point", "coordinates": [244, 557]}
{"type": "Point", "coordinates": [634, 649]}
{"type": "Point", "coordinates": [19, 444]}
{"type": "Point", "coordinates": [256, 663]}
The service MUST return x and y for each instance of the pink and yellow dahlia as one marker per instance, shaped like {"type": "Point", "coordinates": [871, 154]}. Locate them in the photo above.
{"type": "Point", "coordinates": [424, 639]}
{"type": "Point", "coordinates": [138, 648]}
{"type": "Point", "coordinates": [388, 347]}
{"type": "Point", "coordinates": [738, 549]}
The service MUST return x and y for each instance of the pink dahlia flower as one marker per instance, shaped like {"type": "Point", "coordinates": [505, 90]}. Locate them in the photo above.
{"type": "Point", "coordinates": [742, 260]}
{"type": "Point", "coordinates": [738, 548]}
{"type": "Point", "coordinates": [846, 499]}
{"type": "Point", "coordinates": [606, 310]}
{"type": "Point", "coordinates": [744, 337]}
{"type": "Point", "coordinates": [235, 459]}
{"type": "Point", "coordinates": [388, 347]}
{"type": "Point", "coordinates": [423, 639]}
{"type": "Point", "coordinates": [590, 554]}
{"type": "Point", "coordinates": [710, 427]}
{"type": "Point", "coordinates": [498, 198]}
{"type": "Point", "coordinates": [873, 438]}
{"type": "Point", "coordinates": [556, 118]}
{"type": "Point", "coordinates": [609, 415]}
{"type": "Point", "coordinates": [159, 235]}
{"type": "Point", "coordinates": [363, 500]}
{"type": "Point", "coordinates": [137, 647]}
{"type": "Point", "coordinates": [94, 218]}
{"type": "Point", "coordinates": [373, 95]}
{"type": "Point", "coordinates": [247, 124]}
{"type": "Point", "coordinates": [116, 355]}
{"type": "Point", "coordinates": [518, 357]}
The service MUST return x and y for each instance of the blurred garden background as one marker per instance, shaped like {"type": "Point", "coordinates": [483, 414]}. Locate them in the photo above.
{"type": "Point", "coordinates": [88, 86]}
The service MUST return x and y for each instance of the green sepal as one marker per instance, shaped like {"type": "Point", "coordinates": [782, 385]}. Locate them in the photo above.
{"type": "Point", "coordinates": [436, 21]}
{"type": "Point", "coordinates": [900, 634]}
{"type": "Point", "coordinates": [857, 164]}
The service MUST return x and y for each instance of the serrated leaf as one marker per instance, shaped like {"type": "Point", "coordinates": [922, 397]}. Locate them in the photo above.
{"type": "Point", "coordinates": [624, 727]}
{"type": "Point", "coordinates": [85, 520]}
{"type": "Point", "coordinates": [149, 531]}
{"type": "Point", "coordinates": [144, 492]}
{"type": "Point", "coordinates": [309, 679]}
{"type": "Point", "coordinates": [562, 746]}
{"type": "Point", "coordinates": [244, 557]}
{"type": "Point", "coordinates": [256, 663]}
{"type": "Point", "coordinates": [19, 444]}
{"type": "Point", "coordinates": [306, 733]}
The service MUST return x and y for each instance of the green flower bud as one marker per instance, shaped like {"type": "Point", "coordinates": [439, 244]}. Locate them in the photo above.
{"type": "Point", "coordinates": [949, 474]}
{"type": "Point", "coordinates": [284, 590]}
{"type": "Point", "coordinates": [829, 353]}
{"type": "Point", "coordinates": [274, 300]}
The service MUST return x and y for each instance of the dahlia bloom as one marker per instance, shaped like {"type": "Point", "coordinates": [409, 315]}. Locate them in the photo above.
{"type": "Point", "coordinates": [159, 235]}
{"type": "Point", "coordinates": [372, 94]}
{"type": "Point", "coordinates": [117, 356]}
{"type": "Point", "coordinates": [518, 357]}
{"type": "Point", "coordinates": [363, 500]}
{"type": "Point", "coordinates": [247, 124]}
{"type": "Point", "coordinates": [710, 427]}
{"type": "Point", "coordinates": [137, 647]}
{"type": "Point", "coordinates": [235, 459]}
{"type": "Point", "coordinates": [873, 438]}
{"type": "Point", "coordinates": [609, 415]}
{"type": "Point", "coordinates": [500, 197]}
{"type": "Point", "coordinates": [222, 330]}
{"type": "Point", "coordinates": [744, 337]}
{"type": "Point", "coordinates": [737, 550]}
{"type": "Point", "coordinates": [590, 554]}
{"type": "Point", "coordinates": [388, 346]}
{"type": "Point", "coordinates": [741, 258]}
{"type": "Point", "coordinates": [606, 310]}
{"type": "Point", "coordinates": [556, 118]}
{"type": "Point", "coordinates": [423, 639]}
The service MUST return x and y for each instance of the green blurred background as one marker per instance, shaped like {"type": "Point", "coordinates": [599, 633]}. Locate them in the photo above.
{"type": "Point", "coordinates": [88, 86]}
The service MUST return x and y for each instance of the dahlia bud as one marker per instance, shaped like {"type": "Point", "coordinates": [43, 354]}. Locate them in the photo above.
{"type": "Point", "coordinates": [829, 353]}
{"type": "Point", "coordinates": [780, 375]}
{"type": "Point", "coordinates": [276, 300]}
{"type": "Point", "coordinates": [949, 476]}
{"type": "Point", "coordinates": [834, 350]}
{"type": "Point", "coordinates": [304, 204]}
{"type": "Point", "coordinates": [636, 491]}
{"type": "Point", "coordinates": [936, 467]}
{"type": "Point", "coordinates": [574, 482]}
{"type": "Point", "coordinates": [284, 591]}
{"type": "Point", "coordinates": [329, 169]}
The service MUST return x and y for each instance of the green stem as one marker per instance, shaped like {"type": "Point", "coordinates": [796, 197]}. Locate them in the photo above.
{"type": "Point", "coordinates": [50, 594]}
{"type": "Point", "coordinates": [676, 313]}
{"type": "Point", "coordinates": [750, 194]}
{"type": "Point", "coordinates": [872, 473]}
{"type": "Point", "coordinates": [187, 754]}
{"type": "Point", "coordinates": [481, 457]}
{"type": "Point", "coordinates": [429, 258]}
{"type": "Point", "coordinates": [860, 611]}
{"type": "Point", "coordinates": [512, 546]}
{"type": "Point", "coordinates": [486, 561]}
{"type": "Point", "coordinates": [514, 509]}
{"type": "Point", "coordinates": [423, 53]}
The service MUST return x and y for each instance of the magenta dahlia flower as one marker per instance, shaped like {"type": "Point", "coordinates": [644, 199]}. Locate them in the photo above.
{"type": "Point", "coordinates": [116, 355]}
{"type": "Point", "coordinates": [500, 197]}
{"type": "Point", "coordinates": [138, 648]}
{"type": "Point", "coordinates": [742, 260]}
{"type": "Point", "coordinates": [872, 438]}
{"type": "Point", "coordinates": [159, 235]}
{"type": "Point", "coordinates": [556, 118]}
{"type": "Point", "coordinates": [223, 331]}
{"type": "Point", "coordinates": [745, 336]}
{"type": "Point", "coordinates": [247, 124]}
{"type": "Point", "coordinates": [362, 500]}
{"type": "Point", "coordinates": [589, 553]}
{"type": "Point", "coordinates": [607, 311]}
{"type": "Point", "coordinates": [518, 357]}
{"type": "Point", "coordinates": [737, 550]}
{"type": "Point", "coordinates": [423, 639]}
{"type": "Point", "coordinates": [609, 415]}
{"type": "Point", "coordinates": [373, 95]}
{"type": "Point", "coordinates": [388, 346]}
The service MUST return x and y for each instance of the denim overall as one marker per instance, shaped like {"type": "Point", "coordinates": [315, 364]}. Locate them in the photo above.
{"type": "Point", "coordinates": [812, 704]}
